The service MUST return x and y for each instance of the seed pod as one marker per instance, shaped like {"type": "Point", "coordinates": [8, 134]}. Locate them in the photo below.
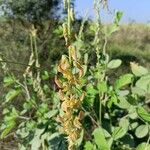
{"type": "Point", "coordinates": [72, 14]}
{"type": "Point", "coordinates": [77, 123]}
{"type": "Point", "coordinates": [33, 31]}
{"type": "Point", "coordinates": [58, 82]}
{"type": "Point", "coordinates": [73, 53]}
{"type": "Point", "coordinates": [65, 32]}
{"type": "Point", "coordinates": [81, 115]}
{"type": "Point", "coordinates": [82, 96]}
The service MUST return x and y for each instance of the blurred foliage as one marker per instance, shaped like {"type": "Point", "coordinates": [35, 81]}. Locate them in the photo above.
{"type": "Point", "coordinates": [115, 106]}
{"type": "Point", "coordinates": [33, 10]}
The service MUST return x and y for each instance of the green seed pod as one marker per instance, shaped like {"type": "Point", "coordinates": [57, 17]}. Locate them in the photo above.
{"type": "Point", "coordinates": [72, 14]}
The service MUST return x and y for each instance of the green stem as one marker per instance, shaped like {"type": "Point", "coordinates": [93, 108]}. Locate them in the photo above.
{"type": "Point", "coordinates": [100, 110]}
{"type": "Point", "coordinates": [69, 20]}
{"type": "Point", "coordinates": [147, 143]}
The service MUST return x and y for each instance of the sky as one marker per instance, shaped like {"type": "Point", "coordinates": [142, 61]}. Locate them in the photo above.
{"type": "Point", "coordinates": [137, 10]}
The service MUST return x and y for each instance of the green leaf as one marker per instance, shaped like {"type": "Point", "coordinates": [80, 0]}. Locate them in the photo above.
{"type": "Point", "coordinates": [123, 80]}
{"type": "Point", "coordinates": [57, 142]}
{"type": "Point", "coordinates": [100, 139]}
{"type": "Point", "coordinates": [144, 83]}
{"type": "Point", "coordinates": [118, 16]}
{"type": "Point", "coordinates": [141, 131]}
{"type": "Point", "coordinates": [143, 146]}
{"type": "Point", "coordinates": [11, 116]}
{"type": "Point", "coordinates": [138, 91]}
{"type": "Point", "coordinates": [12, 94]}
{"type": "Point", "coordinates": [88, 146]}
{"type": "Point", "coordinates": [45, 76]}
{"type": "Point", "coordinates": [128, 140]}
{"type": "Point", "coordinates": [115, 26]}
{"type": "Point", "coordinates": [142, 113]}
{"type": "Point", "coordinates": [123, 103]}
{"type": "Point", "coordinates": [123, 93]}
{"type": "Point", "coordinates": [124, 123]}
{"type": "Point", "coordinates": [114, 64]}
{"type": "Point", "coordinates": [111, 29]}
{"type": "Point", "coordinates": [102, 87]}
{"type": "Point", "coordinates": [51, 113]}
{"type": "Point", "coordinates": [8, 80]}
{"type": "Point", "coordinates": [118, 133]}
{"type": "Point", "coordinates": [91, 90]}
{"type": "Point", "coordinates": [138, 70]}
{"type": "Point", "coordinates": [112, 100]}
{"type": "Point", "coordinates": [133, 125]}
{"type": "Point", "coordinates": [8, 129]}
{"type": "Point", "coordinates": [37, 141]}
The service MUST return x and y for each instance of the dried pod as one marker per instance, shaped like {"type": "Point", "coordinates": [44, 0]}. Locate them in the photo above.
{"type": "Point", "coordinates": [73, 52]}
{"type": "Point", "coordinates": [65, 33]}
{"type": "Point", "coordinates": [58, 82]}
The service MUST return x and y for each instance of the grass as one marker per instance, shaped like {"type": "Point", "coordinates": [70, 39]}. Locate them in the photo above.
{"type": "Point", "coordinates": [132, 42]}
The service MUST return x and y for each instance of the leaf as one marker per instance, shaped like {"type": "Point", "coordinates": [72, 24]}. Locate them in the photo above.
{"type": "Point", "coordinates": [114, 64]}
{"type": "Point", "coordinates": [51, 113]}
{"type": "Point", "coordinates": [88, 146]}
{"type": "Point", "coordinates": [118, 16]}
{"type": "Point", "coordinates": [12, 94]}
{"type": "Point", "coordinates": [138, 70]}
{"type": "Point", "coordinates": [123, 93]}
{"type": "Point", "coordinates": [102, 86]}
{"type": "Point", "coordinates": [124, 123]}
{"type": "Point", "coordinates": [118, 133]}
{"type": "Point", "coordinates": [142, 113]}
{"type": "Point", "coordinates": [143, 146]}
{"type": "Point", "coordinates": [138, 91]}
{"type": "Point", "coordinates": [91, 90]}
{"type": "Point", "coordinates": [128, 140]}
{"type": "Point", "coordinates": [8, 80]}
{"type": "Point", "coordinates": [144, 83]}
{"type": "Point", "coordinates": [115, 27]}
{"type": "Point", "coordinates": [141, 131]}
{"type": "Point", "coordinates": [123, 103]}
{"type": "Point", "coordinates": [123, 80]}
{"type": "Point", "coordinates": [113, 100]}
{"type": "Point", "coordinates": [57, 142]}
{"type": "Point", "coordinates": [100, 139]}
{"type": "Point", "coordinates": [45, 76]}
{"type": "Point", "coordinates": [37, 141]}
{"type": "Point", "coordinates": [133, 125]}
{"type": "Point", "coordinates": [111, 29]}
{"type": "Point", "coordinates": [8, 129]}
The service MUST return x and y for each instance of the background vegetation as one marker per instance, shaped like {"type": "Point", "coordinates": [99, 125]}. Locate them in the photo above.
{"type": "Point", "coordinates": [32, 118]}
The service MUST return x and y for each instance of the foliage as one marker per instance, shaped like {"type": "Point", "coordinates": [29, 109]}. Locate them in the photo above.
{"type": "Point", "coordinates": [84, 108]}
{"type": "Point", "coordinates": [33, 10]}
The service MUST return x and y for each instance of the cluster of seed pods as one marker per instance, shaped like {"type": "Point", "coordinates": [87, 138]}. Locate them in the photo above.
{"type": "Point", "coordinates": [71, 116]}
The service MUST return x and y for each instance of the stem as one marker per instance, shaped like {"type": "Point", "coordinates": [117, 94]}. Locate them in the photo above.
{"type": "Point", "coordinates": [100, 110]}
{"type": "Point", "coordinates": [98, 47]}
{"type": "Point", "coordinates": [92, 119]}
{"type": "Point", "coordinates": [31, 44]}
{"type": "Point", "coordinates": [147, 143]}
{"type": "Point", "coordinates": [36, 52]}
{"type": "Point", "coordinates": [104, 47]}
{"type": "Point", "coordinates": [24, 118]}
{"type": "Point", "coordinates": [69, 20]}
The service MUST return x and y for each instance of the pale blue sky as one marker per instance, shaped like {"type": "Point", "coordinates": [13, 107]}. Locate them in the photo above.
{"type": "Point", "coordinates": [138, 10]}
